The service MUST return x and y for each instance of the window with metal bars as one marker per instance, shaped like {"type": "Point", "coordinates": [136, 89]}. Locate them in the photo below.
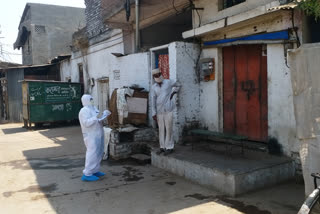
{"type": "Point", "coordinates": [230, 3]}
{"type": "Point", "coordinates": [40, 29]}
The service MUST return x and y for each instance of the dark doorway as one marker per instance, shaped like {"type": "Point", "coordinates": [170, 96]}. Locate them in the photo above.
{"type": "Point", "coordinates": [166, 31]}
{"type": "Point", "coordinates": [313, 30]}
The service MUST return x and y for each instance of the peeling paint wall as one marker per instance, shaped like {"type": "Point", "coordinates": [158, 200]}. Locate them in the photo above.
{"type": "Point", "coordinates": [250, 17]}
{"type": "Point", "coordinates": [134, 69]}
{"type": "Point", "coordinates": [65, 70]}
{"type": "Point", "coordinates": [304, 65]}
{"type": "Point", "coordinates": [209, 94]}
{"type": "Point", "coordinates": [99, 62]}
{"type": "Point", "coordinates": [273, 22]}
{"type": "Point", "coordinates": [281, 118]}
{"type": "Point", "coordinates": [182, 61]}
{"type": "Point", "coordinates": [212, 7]}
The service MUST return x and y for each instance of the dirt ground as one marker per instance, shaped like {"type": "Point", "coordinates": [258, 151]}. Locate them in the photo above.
{"type": "Point", "coordinates": [41, 171]}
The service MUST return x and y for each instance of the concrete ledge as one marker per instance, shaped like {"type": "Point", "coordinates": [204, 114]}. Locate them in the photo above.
{"type": "Point", "coordinates": [219, 172]}
{"type": "Point", "coordinates": [264, 177]}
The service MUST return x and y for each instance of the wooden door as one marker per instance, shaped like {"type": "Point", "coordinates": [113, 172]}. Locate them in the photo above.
{"type": "Point", "coordinates": [103, 94]}
{"type": "Point", "coordinates": [245, 93]}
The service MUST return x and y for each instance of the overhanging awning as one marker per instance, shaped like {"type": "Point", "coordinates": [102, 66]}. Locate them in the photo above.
{"type": "Point", "coordinates": [281, 35]}
{"type": "Point", "coordinates": [258, 14]}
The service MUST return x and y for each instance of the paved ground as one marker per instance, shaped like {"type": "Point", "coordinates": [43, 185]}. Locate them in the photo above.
{"type": "Point", "coordinates": [40, 173]}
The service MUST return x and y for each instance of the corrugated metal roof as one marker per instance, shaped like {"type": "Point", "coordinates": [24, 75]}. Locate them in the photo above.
{"type": "Point", "coordinates": [50, 81]}
{"type": "Point", "coordinates": [60, 58]}
{"type": "Point", "coordinates": [4, 65]}
{"type": "Point", "coordinates": [27, 66]}
{"type": "Point", "coordinates": [288, 6]}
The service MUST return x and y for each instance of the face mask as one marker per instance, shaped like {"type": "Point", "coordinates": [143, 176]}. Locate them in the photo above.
{"type": "Point", "coordinates": [159, 79]}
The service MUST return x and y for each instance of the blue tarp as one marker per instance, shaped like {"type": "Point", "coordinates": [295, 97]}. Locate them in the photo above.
{"type": "Point", "coordinates": [281, 35]}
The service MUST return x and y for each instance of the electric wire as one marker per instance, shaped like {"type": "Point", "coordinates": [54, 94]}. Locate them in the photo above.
{"type": "Point", "coordinates": [174, 7]}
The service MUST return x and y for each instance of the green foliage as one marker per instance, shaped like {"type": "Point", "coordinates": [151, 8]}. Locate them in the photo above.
{"type": "Point", "coordinates": [310, 7]}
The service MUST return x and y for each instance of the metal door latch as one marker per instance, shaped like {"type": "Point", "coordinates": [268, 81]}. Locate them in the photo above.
{"type": "Point", "coordinates": [249, 87]}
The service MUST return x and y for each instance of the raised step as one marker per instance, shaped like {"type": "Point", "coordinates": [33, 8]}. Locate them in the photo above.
{"type": "Point", "coordinates": [141, 158]}
{"type": "Point", "coordinates": [231, 174]}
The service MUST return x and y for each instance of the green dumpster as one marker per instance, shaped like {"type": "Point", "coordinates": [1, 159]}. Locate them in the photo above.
{"type": "Point", "coordinates": [50, 101]}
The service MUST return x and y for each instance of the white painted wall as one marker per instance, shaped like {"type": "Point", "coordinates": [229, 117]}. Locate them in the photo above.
{"type": "Point", "coordinates": [134, 69]}
{"type": "Point", "coordinates": [304, 65]}
{"type": "Point", "coordinates": [182, 61]}
{"type": "Point", "coordinates": [99, 62]}
{"type": "Point", "coordinates": [209, 94]}
{"type": "Point", "coordinates": [69, 69]}
{"type": "Point", "coordinates": [65, 70]}
{"type": "Point", "coordinates": [281, 118]}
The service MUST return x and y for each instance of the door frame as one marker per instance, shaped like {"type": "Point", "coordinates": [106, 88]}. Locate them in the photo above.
{"type": "Point", "coordinates": [102, 81]}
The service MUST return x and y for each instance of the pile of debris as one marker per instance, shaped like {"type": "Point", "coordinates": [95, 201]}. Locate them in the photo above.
{"type": "Point", "coordinates": [128, 124]}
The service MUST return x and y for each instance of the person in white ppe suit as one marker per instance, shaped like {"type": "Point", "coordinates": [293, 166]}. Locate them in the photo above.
{"type": "Point", "coordinates": [92, 130]}
{"type": "Point", "coordinates": [163, 104]}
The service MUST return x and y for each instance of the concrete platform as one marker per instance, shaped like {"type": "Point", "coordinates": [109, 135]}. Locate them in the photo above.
{"type": "Point", "coordinates": [231, 174]}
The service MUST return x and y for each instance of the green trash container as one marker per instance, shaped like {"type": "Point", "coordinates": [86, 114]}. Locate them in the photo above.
{"type": "Point", "coordinates": [50, 101]}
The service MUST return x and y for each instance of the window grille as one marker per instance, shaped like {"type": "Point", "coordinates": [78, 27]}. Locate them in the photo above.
{"type": "Point", "coordinates": [40, 29]}
{"type": "Point", "coordinates": [231, 3]}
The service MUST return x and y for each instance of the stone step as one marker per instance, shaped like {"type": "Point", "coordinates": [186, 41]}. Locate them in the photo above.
{"type": "Point", "coordinates": [230, 174]}
{"type": "Point", "coordinates": [141, 158]}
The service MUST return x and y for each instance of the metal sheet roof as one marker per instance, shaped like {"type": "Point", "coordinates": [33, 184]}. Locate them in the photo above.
{"type": "Point", "coordinates": [27, 66]}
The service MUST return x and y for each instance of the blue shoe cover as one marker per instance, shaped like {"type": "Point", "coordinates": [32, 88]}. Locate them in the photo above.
{"type": "Point", "coordinates": [99, 174]}
{"type": "Point", "coordinates": [89, 178]}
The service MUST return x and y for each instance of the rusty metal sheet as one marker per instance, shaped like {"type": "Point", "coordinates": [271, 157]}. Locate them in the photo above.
{"type": "Point", "coordinates": [164, 65]}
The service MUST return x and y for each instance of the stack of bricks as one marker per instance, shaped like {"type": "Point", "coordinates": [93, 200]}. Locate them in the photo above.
{"type": "Point", "coordinates": [94, 18]}
{"type": "Point", "coordinates": [146, 135]}
{"type": "Point", "coordinates": [122, 150]}
{"type": "Point", "coordinates": [117, 149]}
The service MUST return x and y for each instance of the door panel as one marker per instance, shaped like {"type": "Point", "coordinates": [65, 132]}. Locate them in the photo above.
{"type": "Point", "coordinates": [103, 95]}
{"type": "Point", "coordinates": [247, 91]}
{"type": "Point", "coordinates": [264, 94]}
{"type": "Point", "coordinates": [254, 114]}
{"type": "Point", "coordinates": [241, 96]}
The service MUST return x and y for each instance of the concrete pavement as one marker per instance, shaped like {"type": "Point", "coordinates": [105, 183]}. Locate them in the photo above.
{"type": "Point", "coordinates": [41, 170]}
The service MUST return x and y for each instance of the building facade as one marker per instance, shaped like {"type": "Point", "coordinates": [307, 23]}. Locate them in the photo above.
{"type": "Point", "coordinates": [231, 59]}
{"type": "Point", "coordinates": [45, 31]}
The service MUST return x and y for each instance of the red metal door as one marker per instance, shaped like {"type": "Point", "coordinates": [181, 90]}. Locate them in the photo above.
{"type": "Point", "coordinates": [245, 91]}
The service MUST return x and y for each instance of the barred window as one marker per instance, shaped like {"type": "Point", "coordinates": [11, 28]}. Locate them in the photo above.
{"type": "Point", "coordinates": [229, 3]}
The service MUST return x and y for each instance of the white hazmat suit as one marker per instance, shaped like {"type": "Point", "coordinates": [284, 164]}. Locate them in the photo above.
{"type": "Point", "coordinates": [92, 130]}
